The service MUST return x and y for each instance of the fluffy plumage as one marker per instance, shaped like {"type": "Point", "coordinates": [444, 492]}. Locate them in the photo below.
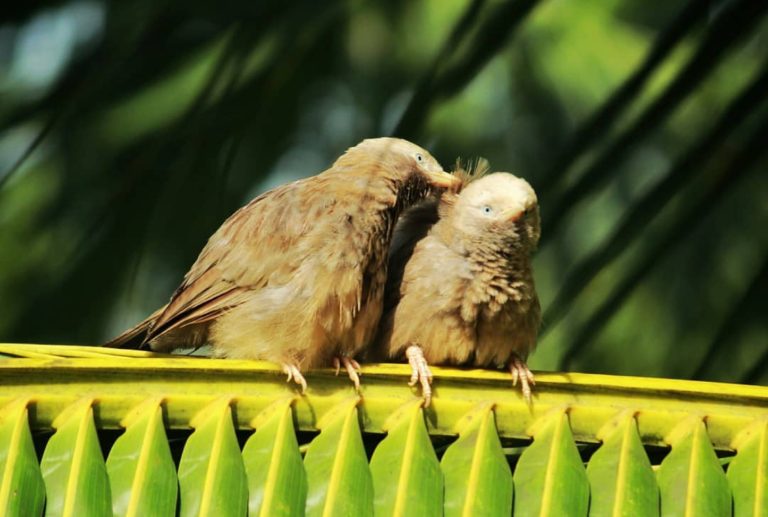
{"type": "Point", "coordinates": [297, 275]}
{"type": "Point", "coordinates": [461, 289]}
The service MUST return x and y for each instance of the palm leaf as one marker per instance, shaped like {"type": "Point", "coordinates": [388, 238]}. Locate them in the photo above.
{"type": "Point", "coordinates": [620, 474]}
{"type": "Point", "coordinates": [406, 474]}
{"type": "Point", "coordinates": [338, 477]}
{"type": "Point", "coordinates": [76, 481]}
{"type": "Point", "coordinates": [156, 397]}
{"type": "Point", "coordinates": [22, 491]}
{"type": "Point", "coordinates": [212, 477]}
{"type": "Point", "coordinates": [550, 478]}
{"type": "Point", "coordinates": [478, 480]}
{"type": "Point", "coordinates": [691, 479]}
{"type": "Point", "coordinates": [277, 482]}
{"type": "Point", "coordinates": [141, 471]}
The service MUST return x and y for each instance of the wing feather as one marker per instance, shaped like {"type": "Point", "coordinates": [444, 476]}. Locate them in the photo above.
{"type": "Point", "coordinates": [244, 254]}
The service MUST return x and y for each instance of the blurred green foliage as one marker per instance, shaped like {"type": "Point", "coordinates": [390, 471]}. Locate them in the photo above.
{"type": "Point", "coordinates": [130, 130]}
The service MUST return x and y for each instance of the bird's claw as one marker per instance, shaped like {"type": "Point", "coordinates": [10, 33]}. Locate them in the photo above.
{"type": "Point", "coordinates": [521, 373]}
{"type": "Point", "coordinates": [295, 375]}
{"type": "Point", "coordinates": [352, 367]}
{"type": "Point", "coordinates": [420, 372]}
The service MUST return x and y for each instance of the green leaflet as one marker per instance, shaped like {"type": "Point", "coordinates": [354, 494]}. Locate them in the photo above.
{"type": "Point", "coordinates": [691, 480]}
{"type": "Point", "coordinates": [748, 472]}
{"type": "Point", "coordinates": [549, 478]}
{"type": "Point", "coordinates": [338, 477]}
{"type": "Point", "coordinates": [22, 491]}
{"type": "Point", "coordinates": [478, 480]}
{"type": "Point", "coordinates": [620, 475]}
{"type": "Point", "coordinates": [211, 472]}
{"type": "Point", "coordinates": [277, 482]}
{"type": "Point", "coordinates": [407, 479]}
{"type": "Point", "coordinates": [141, 470]}
{"type": "Point", "coordinates": [73, 467]}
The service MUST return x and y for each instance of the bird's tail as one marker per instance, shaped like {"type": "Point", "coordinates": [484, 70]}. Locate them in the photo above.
{"type": "Point", "coordinates": [136, 336]}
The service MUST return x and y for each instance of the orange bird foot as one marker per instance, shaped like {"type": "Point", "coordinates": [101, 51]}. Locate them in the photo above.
{"type": "Point", "coordinates": [295, 375]}
{"type": "Point", "coordinates": [352, 367]}
{"type": "Point", "coordinates": [520, 372]}
{"type": "Point", "coordinates": [420, 372]}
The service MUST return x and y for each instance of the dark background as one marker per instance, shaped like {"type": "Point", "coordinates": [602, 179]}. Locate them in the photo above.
{"type": "Point", "coordinates": [130, 130]}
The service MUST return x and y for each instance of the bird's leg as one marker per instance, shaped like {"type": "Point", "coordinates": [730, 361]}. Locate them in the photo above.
{"type": "Point", "coordinates": [295, 375]}
{"type": "Point", "coordinates": [420, 372]}
{"type": "Point", "coordinates": [521, 372]}
{"type": "Point", "coordinates": [352, 367]}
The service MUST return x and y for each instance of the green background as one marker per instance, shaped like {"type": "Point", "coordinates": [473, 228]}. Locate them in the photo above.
{"type": "Point", "coordinates": [130, 130]}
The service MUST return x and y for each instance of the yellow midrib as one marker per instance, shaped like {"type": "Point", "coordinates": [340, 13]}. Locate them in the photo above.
{"type": "Point", "coordinates": [405, 471]}
{"type": "Point", "coordinates": [474, 471]}
{"type": "Point", "coordinates": [11, 459]}
{"type": "Point", "coordinates": [691, 488]}
{"type": "Point", "coordinates": [328, 507]}
{"type": "Point", "coordinates": [761, 462]}
{"type": "Point", "coordinates": [77, 463]}
{"type": "Point", "coordinates": [274, 466]}
{"type": "Point", "coordinates": [546, 500]}
{"type": "Point", "coordinates": [621, 477]}
{"type": "Point", "coordinates": [141, 468]}
{"type": "Point", "coordinates": [213, 466]}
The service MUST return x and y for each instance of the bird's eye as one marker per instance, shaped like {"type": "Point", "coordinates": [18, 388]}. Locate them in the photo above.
{"type": "Point", "coordinates": [419, 157]}
{"type": "Point", "coordinates": [487, 210]}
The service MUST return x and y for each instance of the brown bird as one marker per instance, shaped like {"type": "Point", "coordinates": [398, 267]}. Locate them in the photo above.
{"type": "Point", "coordinates": [297, 275]}
{"type": "Point", "coordinates": [460, 289]}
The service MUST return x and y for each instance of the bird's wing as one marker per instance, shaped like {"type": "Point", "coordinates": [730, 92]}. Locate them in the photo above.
{"type": "Point", "coordinates": [134, 336]}
{"type": "Point", "coordinates": [256, 246]}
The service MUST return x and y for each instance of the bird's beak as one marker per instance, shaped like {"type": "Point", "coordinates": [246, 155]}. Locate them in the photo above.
{"type": "Point", "coordinates": [442, 179]}
{"type": "Point", "coordinates": [513, 215]}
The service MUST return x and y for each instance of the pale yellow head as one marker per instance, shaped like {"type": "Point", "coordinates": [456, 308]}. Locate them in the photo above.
{"type": "Point", "coordinates": [500, 206]}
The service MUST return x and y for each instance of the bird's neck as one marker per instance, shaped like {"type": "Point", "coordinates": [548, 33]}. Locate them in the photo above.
{"type": "Point", "coordinates": [409, 191]}
{"type": "Point", "coordinates": [494, 259]}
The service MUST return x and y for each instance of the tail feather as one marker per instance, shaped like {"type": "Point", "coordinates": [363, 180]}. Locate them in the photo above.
{"type": "Point", "coordinates": [136, 336]}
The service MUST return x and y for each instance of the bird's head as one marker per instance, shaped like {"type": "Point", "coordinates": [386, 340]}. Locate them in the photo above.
{"type": "Point", "coordinates": [398, 160]}
{"type": "Point", "coordinates": [498, 207]}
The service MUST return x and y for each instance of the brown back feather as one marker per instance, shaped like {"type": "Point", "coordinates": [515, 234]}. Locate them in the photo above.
{"type": "Point", "coordinates": [238, 257]}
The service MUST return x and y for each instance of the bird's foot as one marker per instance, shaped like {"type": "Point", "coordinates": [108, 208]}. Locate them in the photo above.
{"type": "Point", "coordinates": [295, 375]}
{"type": "Point", "coordinates": [352, 367]}
{"type": "Point", "coordinates": [520, 372]}
{"type": "Point", "coordinates": [420, 372]}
